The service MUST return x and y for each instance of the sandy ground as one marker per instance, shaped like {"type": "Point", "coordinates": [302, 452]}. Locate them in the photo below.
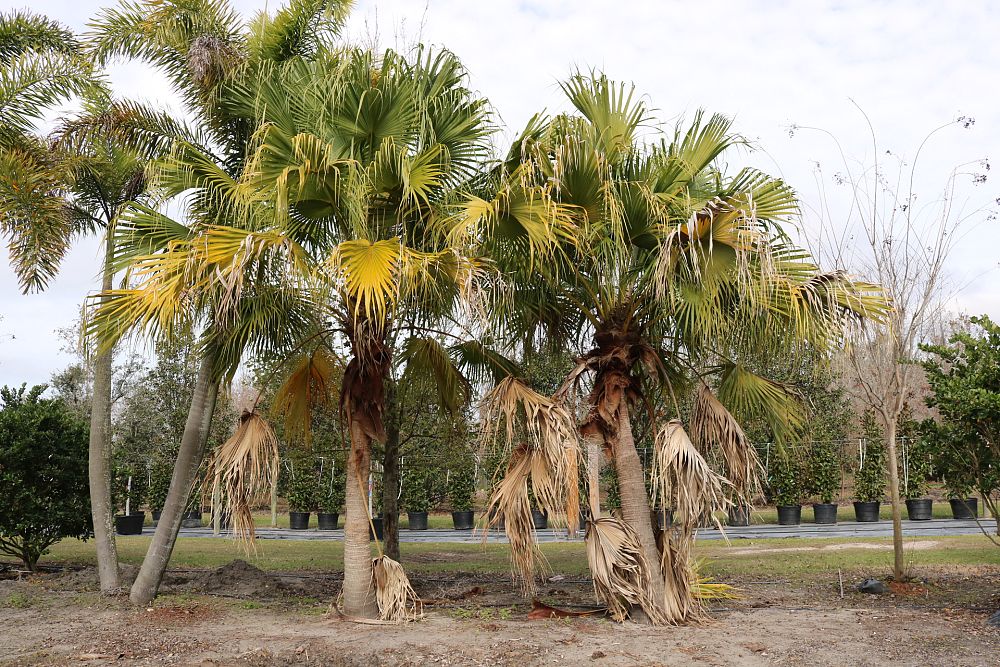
{"type": "Point", "coordinates": [238, 615]}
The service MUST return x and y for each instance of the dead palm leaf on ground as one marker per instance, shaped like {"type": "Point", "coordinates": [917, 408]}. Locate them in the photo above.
{"type": "Point", "coordinates": [242, 470]}
{"type": "Point", "coordinates": [620, 572]}
{"type": "Point", "coordinates": [396, 599]}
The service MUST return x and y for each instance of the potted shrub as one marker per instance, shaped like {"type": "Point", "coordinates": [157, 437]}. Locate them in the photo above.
{"type": "Point", "coordinates": [824, 480]}
{"type": "Point", "coordinates": [330, 502]}
{"type": "Point", "coordinates": [869, 480]}
{"type": "Point", "coordinates": [916, 470]}
{"type": "Point", "coordinates": [159, 485]}
{"type": "Point", "coordinates": [128, 490]}
{"type": "Point", "coordinates": [461, 490]}
{"type": "Point", "coordinates": [786, 489]}
{"type": "Point", "coordinates": [301, 496]}
{"type": "Point", "coordinates": [416, 497]}
{"type": "Point", "coordinates": [963, 504]}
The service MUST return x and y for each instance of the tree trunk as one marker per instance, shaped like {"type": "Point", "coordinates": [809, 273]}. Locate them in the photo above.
{"type": "Point", "coordinates": [594, 478]}
{"type": "Point", "coordinates": [635, 500]}
{"type": "Point", "coordinates": [359, 596]}
{"type": "Point", "coordinates": [189, 458]}
{"type": "Point", "coordinates": [390, 474]}
{"type": "Point", "coordinates": [99, 457]}
{"type": "Point", "coordinates": [897, 511]}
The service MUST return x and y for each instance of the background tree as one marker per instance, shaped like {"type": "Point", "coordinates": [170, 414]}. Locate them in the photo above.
{"type": "Point", "coordinates": [964, 375]}
{"type": "Point", "coordinates": [43, 447]}
{"type": "Point", "coordinates": [901, 243]}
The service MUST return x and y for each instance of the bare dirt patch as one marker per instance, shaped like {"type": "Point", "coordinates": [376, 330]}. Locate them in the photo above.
{"type": "Point", "coordinates": [480, 620]}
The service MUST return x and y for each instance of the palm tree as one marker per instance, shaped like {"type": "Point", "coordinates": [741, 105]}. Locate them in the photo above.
{"type": "Point", "coordinates": [56, 188]}
{"type": "Point", "coordinates": [676, 275]}
{"type": "Point", "coordinates": [213, 60]}
{"type": "Point", "coordinates": [341, 206]}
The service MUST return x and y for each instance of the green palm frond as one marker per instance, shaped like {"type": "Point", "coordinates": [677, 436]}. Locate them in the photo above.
{"type": "Point", "coordinates": [23, 31]}
{"type": "Point", "coordinates": [426, 355]}
{"type": "Point", "coordinates": [749, 396]}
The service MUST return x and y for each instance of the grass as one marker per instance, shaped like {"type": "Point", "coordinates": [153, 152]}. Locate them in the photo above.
{"type": "Point", "coordinates": [743, 558]}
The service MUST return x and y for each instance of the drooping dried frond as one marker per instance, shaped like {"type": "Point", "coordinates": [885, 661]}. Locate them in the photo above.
{"type": "Point", "coordinates": [311, 383]}
{"type": "Point", "coordinates": [242, 471]}
{"type": "Point", "coordinates": [680, 603]}
{"type": "Point", "coordinates": [682, 479]}
{"type": "Point", "coordinates": [396, 599]}
{"type": "Point", "coordinates": [620, 572]}
{"type": "Point", "coordinates": [549, 433]}
{"type": "Point", "coordinates": [511, 505]}
{"type": "Point", "coordinates": [718, 435]}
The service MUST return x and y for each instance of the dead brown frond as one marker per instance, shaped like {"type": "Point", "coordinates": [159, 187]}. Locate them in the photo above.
{"type": "Point", "coordinates": [683, 480]}
{"type": "Point", "coordinates": [620, 572]}
{"type": "Point", "coordinates": [311, 383]}
{"type": "Point", "coordinates": [242, 471]}
{"type": "Point", "coordinates": [396, 599]}
{"type": "Point", "coordinates": [548, 431]}
{"type": "Point", "coordinates": [511, 505]}
{"type": "Point", "coordinates": [718, 435]}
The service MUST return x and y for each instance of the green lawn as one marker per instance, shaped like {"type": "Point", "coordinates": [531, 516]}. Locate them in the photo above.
{"type": "Point", "coordinates": [754, 558]}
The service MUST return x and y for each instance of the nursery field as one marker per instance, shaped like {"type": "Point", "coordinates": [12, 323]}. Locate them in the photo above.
{"type": "Point", "coordinates": [273, 609]}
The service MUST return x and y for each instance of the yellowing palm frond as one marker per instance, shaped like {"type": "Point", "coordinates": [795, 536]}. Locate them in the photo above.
{"type": "Point", "coordinates": [717, 432]}
{"type": "Point", "coordinates": [312, 382]}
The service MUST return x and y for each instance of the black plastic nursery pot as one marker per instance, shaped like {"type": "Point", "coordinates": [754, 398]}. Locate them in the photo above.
{"type": "Point", "coordinates": [789, 515]}
{"type": "Point", "coordinates": [191, 519]}
{"type": "Point", "coordinates": [919, 509]}
{"type": "Point", "coordinates": [867, 511]}
{"type": "Point", "coordinates": [417, 520]}
{"type": "Point", "coordinates": [327, 520]}
{"type": "Point", "coordinates": [739, 516]}
{"type": "Point", "coordinates": [964, 509]}
{"type": "Point", "coordinates": [463, 520]}
{"type": "Point", "coordinates": [377, 524]}
{"type": "Point", "coordinates": [298, 520]}
{"type": "Point", "coordinates": [825, 512]}
{"type": "Point", "coordinates": [130, 524]}
{"type": "Point", "coordinates": [156, 516]}
{"type": "Point", "coordinates": [540, 518]}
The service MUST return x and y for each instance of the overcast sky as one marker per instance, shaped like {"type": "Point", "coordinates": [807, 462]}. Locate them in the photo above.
{"type": "Point", "coordinates": [911, 66]}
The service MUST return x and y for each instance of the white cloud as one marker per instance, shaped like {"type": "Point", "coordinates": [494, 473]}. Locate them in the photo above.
{"type": "Point", "coordinates": [910, 65]}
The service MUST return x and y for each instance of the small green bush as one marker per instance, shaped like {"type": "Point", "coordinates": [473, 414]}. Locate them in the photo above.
{"type": "Point", "coordinates": [462, 486]}
{"type": "Point", "coordinates": [824, 470]}
{"type": "Point", "coordinates": [44, 495]}
{"type": "Point", "coordinates": [331, 491]}
{"type": "Point", "coordinates": [301, 489]}
{"type": "Point", "coordinates": [869, 480]}
{"type": "Point", "coordinates": [785, 477]}
{"type": "Point", "coordinates": [159, 484]}
{"type": "Point", "coordinates": [416, 489]}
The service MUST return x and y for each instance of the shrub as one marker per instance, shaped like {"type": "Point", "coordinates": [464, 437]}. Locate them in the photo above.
{"type": "Point", "coordinates": [416, 489]}
{"type": "Point", "coordinates": [869, 480]}
{"type": "Point", "coordinates": [159, 484]}
{"type": "Point", "coordinates": [43, 474]}
{"type": "Point", "coordinates": [125, 494]}
{"type": "Point", "coordinates": [301, 488]}
{"type": "Point", "coordinates": [785, 478]}
{"type": "Point", "coordinates": [824, 470]}
{"type": "Point", "coordinates": [462, 486]}
{"type": "Point", "coordinates": [330, 498]}
{"type": "Point", "coordinates": [609, 477]}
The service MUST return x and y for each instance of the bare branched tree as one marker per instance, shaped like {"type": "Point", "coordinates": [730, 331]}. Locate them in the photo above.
{"type": "Point", "coordinates": [894, 238]}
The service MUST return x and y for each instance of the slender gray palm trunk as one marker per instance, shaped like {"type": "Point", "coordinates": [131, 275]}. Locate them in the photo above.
{"type": "Point", "coordinates": [635, 499]}
{"type": "Point", "coordinates": [359, 595]}
{"type": "Point", "coordinates": [99, 457]}
{"type": "Point", "coordinates": [189, 459]}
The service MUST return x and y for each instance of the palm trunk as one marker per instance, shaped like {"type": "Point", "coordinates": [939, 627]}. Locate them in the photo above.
{"type": "Point", "coordinates": [359, 596]}
{"type": "Point", "coordinates": [594, 478]}
{"type": "Point", "coordinates": [897, 511]}
{"type": "Point", "coordinates": [189, 459]}
{"type": "Point", "coordinates": [99, 457]}
{"type": "Point", "coordinates": [390, 474]}
{"type": "Point", "coordinates": [635, 500]}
